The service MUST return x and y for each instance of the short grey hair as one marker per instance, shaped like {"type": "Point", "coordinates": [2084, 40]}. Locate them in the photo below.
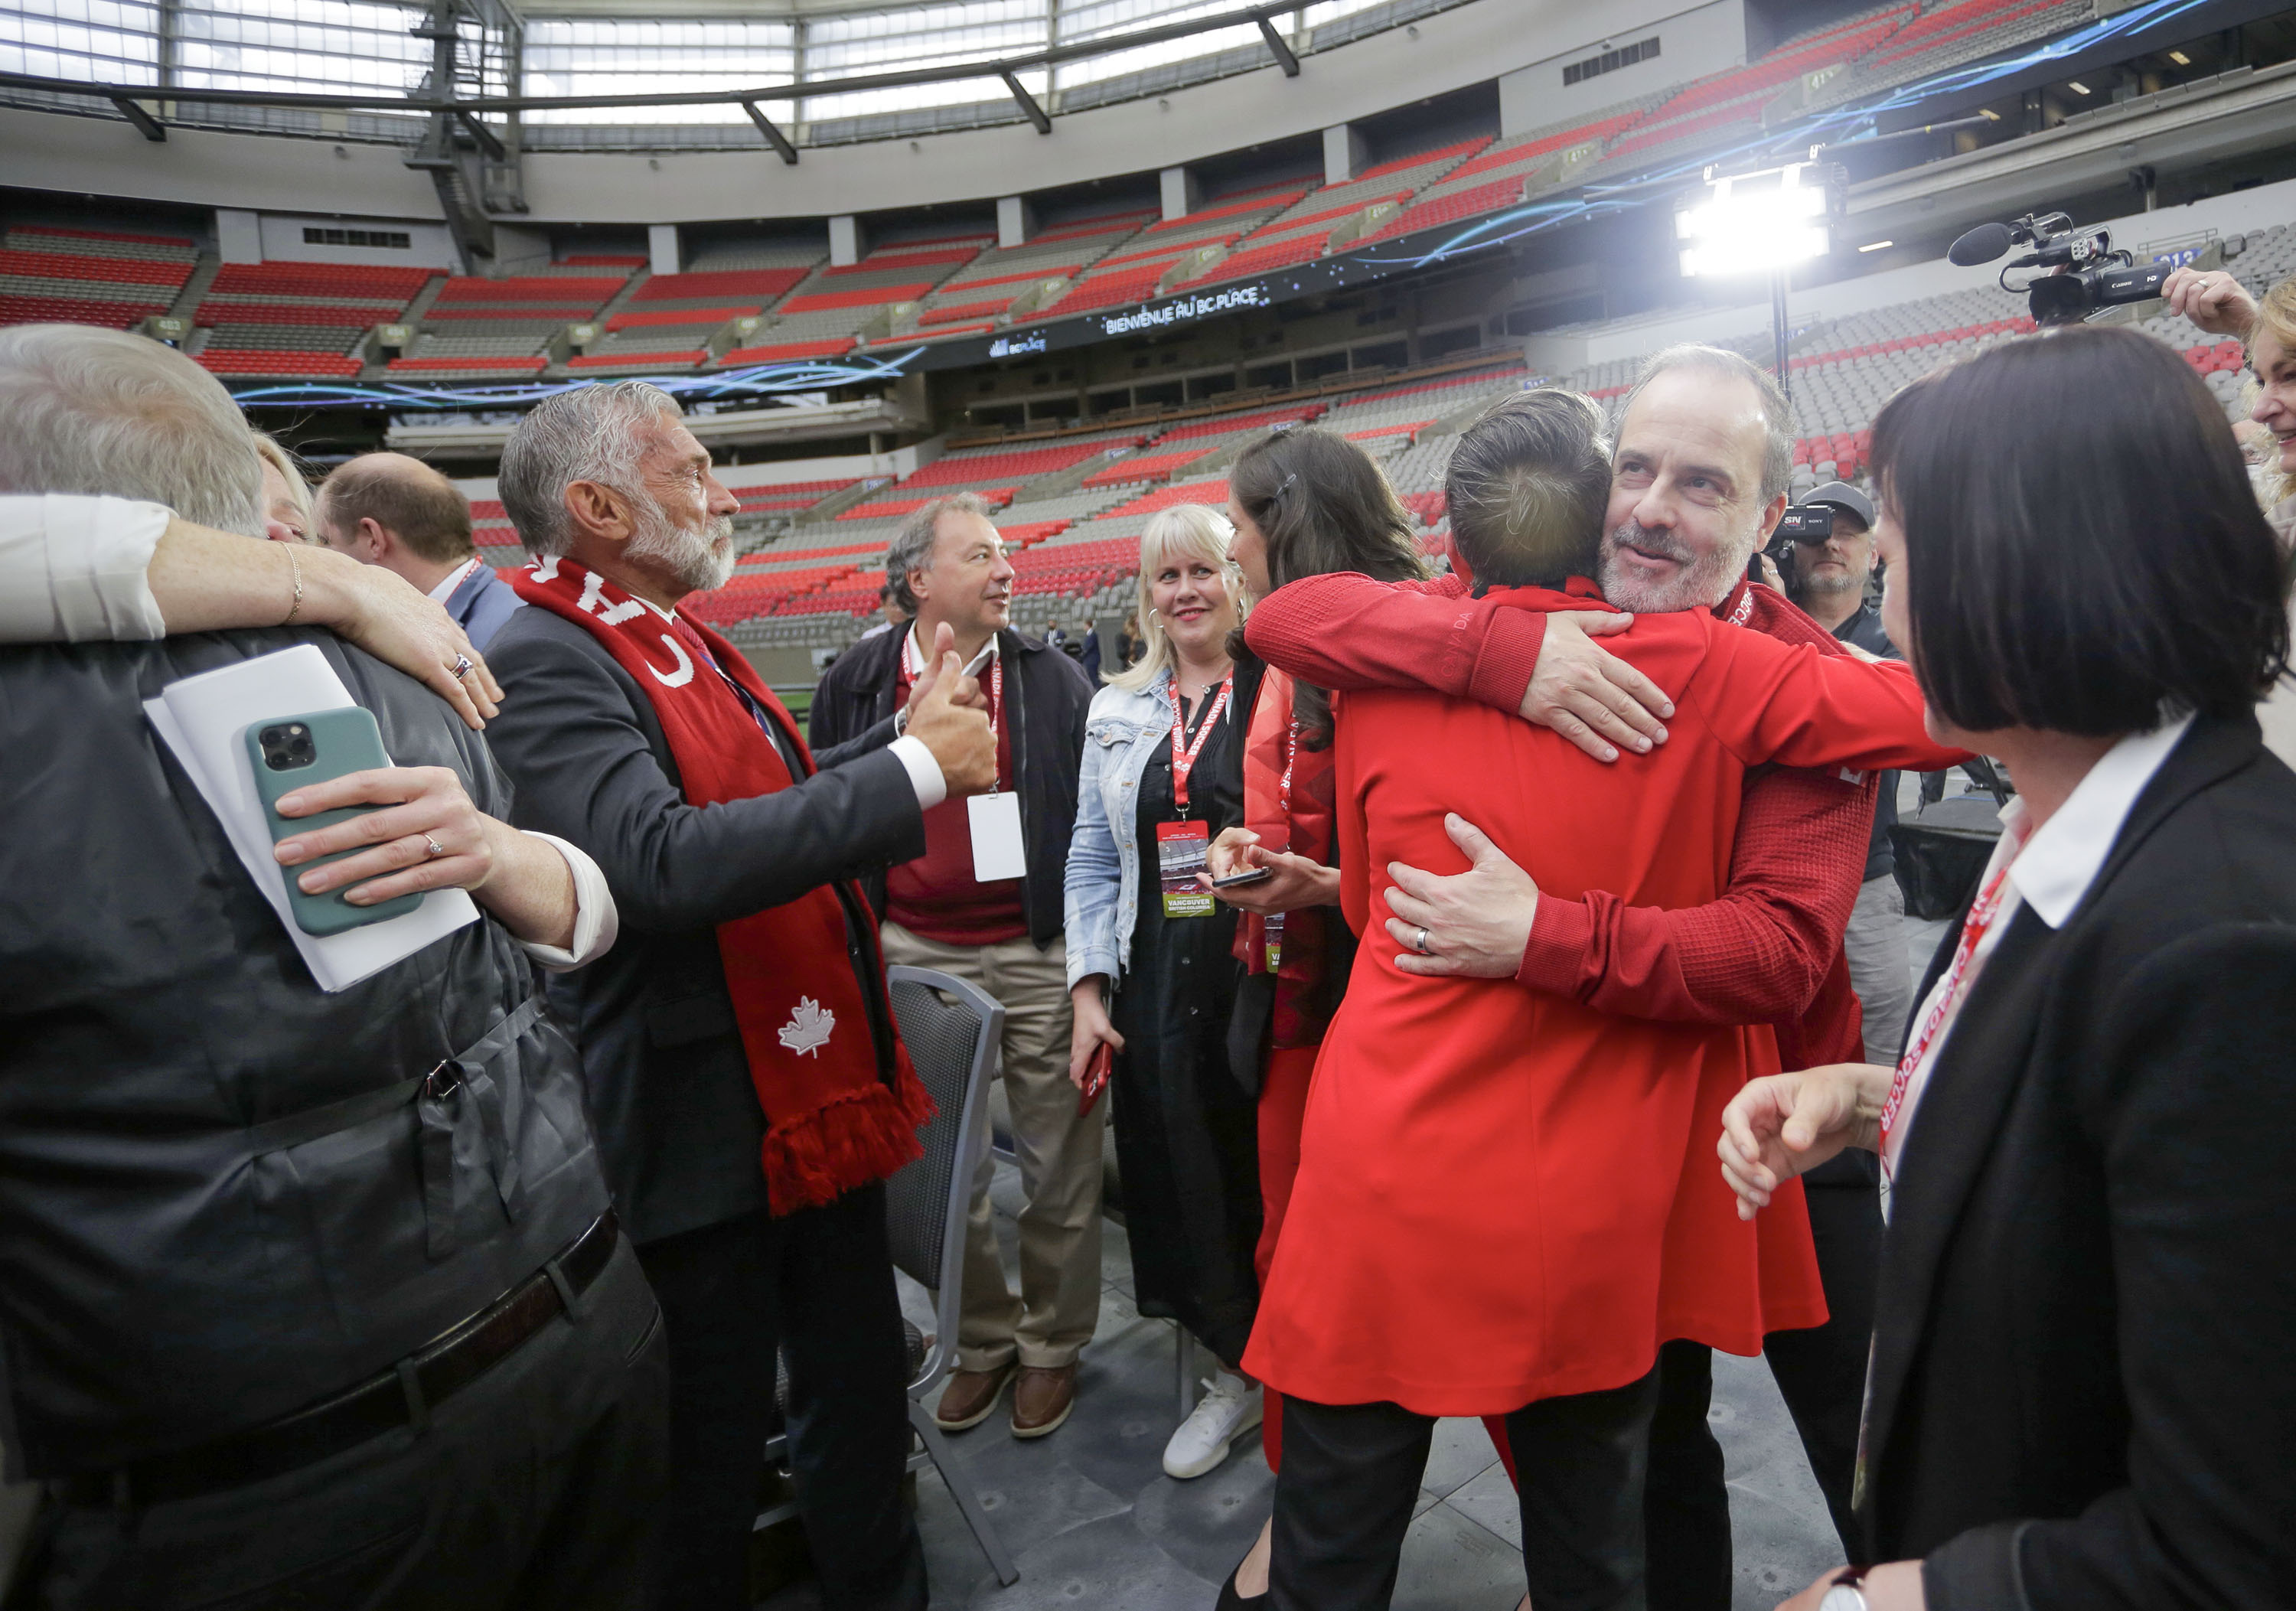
{"type": "Point", "coordinates": [589, 434]}
{"type": "Point", "coordinates": [117, 414]}
{"type": "Point", "coordinates": [913, 544]}
{"type": "Point", "coordinates": [1777, 413]}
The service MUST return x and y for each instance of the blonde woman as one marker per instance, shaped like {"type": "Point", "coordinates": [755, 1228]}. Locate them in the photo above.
{"type": "Point", "coordinates": [1151, 965]}
{"type": "Point", "coordinates": [286, 495]}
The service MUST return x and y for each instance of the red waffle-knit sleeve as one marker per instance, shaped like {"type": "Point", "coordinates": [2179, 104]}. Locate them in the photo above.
{"type": "Point", "coordinates": [1345, 630]}
{"type": "Point", "coordinates": [1755, 955]}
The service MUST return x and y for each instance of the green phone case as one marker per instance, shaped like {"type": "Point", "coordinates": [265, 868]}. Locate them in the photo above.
{"type": "Point", "coordinates": [288, 751]}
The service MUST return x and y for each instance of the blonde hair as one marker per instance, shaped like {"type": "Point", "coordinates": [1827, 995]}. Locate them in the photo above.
{"type": "Point", "coordinates": [2275, 315]}
{"type": "Point", "coordinates": [1194, 530]}
{"type": "Point", "coordinates": [268, 449]}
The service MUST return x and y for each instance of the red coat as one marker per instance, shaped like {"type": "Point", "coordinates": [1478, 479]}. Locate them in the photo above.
{"type": "Point", "coordinates": [1504, 1194]}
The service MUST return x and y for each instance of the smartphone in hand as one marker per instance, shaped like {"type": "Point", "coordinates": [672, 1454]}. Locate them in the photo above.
{"type": "Point", "coordinates": [1249, 876]}
{"type": "Point", "coordinates": [1096, 1070]}
{"type": "Point", "coordinates": [294, 751]}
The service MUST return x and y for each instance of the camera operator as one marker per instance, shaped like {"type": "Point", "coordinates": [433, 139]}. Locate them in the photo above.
{"type": "Point", "coordinates": [1829, 583]}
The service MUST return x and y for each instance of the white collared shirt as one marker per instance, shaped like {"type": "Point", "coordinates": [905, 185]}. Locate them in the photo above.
{"type": "Point", "coordinates": [913, 654]}
{"type": "Point", "coordinates": [2050, 869]}
{"type": "Point", "coordinates": [445, 590]}
{"type": "Point", "coordinates": [72, 569]}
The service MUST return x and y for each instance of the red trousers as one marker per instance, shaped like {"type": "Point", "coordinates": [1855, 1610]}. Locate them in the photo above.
{"type": "Point", "coordinates": [1282, 1113]}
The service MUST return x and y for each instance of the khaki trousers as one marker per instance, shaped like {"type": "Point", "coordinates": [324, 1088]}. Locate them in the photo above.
{"type": "Point", "coordinates": [1051, 1319]}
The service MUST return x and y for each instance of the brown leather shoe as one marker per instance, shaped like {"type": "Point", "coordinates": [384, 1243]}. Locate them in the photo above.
{"type": "Point", "coordinates": [969, 1397]}
{"type": "Point", "coordinates": [1041, 1399]}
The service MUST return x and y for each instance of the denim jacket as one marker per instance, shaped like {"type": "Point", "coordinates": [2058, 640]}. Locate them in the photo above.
{"type": "Point", "coordinates": [1102, 900]}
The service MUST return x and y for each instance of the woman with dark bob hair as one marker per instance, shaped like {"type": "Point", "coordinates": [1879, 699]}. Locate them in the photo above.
{"type": "Point", "coordinates": [2080, 1394]}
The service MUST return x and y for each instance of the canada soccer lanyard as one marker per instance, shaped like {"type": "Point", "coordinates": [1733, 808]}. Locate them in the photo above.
{"type": "Point", "coordinates": [1183, 848]}
{"type": "Point", "coordinates": [1183, 759]}
{"type": "Point", "coordinates": [1981, 913]}
{"type": "Point", "coordinates": [1272, 924]}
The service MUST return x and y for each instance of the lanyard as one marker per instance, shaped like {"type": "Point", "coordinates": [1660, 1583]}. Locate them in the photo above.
{"type": "Point", "coordinates": [1980, 917]}
{"type": "Point", "coordinates": [1184, 759]}
{"type": "Point", "coordinates": [1290, 759]}
{"type": "Point", "coordinates": [995, 707]}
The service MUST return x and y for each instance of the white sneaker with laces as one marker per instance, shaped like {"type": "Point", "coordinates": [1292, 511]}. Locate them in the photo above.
{"type": "Point", "coordinates": [1229, 1409]}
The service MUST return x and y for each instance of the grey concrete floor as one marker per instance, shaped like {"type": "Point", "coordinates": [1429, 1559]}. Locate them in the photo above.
{"type": "Point", "coordinates": [1093, 1521]}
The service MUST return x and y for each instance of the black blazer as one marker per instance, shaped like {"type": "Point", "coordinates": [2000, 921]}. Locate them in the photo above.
{"type": "Point", "coordinates": [677, 1118]}
{"type": "Point", "coordinates": [1049, 694]}
{"type": "Point", "coordinates": [2083, 1393]}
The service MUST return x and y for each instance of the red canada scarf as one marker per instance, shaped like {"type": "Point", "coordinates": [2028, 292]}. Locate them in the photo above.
{"type": "Point", "coordinates": [834, 1120]}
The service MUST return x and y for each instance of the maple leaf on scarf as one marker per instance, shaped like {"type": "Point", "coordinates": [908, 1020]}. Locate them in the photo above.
{"type": "Point", "coordinates": [809, 1028]}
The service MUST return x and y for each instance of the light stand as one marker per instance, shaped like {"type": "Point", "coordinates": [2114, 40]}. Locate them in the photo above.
{"type": "Point", "coordinates": [1748, 223]}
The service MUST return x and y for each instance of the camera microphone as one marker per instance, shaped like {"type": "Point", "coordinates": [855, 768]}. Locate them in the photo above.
{"type": "Point", "coordinates": [1981, 244]}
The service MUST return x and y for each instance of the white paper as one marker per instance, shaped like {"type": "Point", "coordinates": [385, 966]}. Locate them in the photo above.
{"type": "Point", "coordinates": [996, 851]}
{"type": "Point", "coordinates": [203, 719]}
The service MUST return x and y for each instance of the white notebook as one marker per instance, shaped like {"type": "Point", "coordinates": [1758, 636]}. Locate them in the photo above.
{"type": "Point", "coordinates": [203, 718]}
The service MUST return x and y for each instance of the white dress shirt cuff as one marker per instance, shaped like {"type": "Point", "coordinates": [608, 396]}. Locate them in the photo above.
{"type": "Point", "coordinates": [597, 922]}
{"type": "Point", "coordinates": [72, 569]}
{"type": "Point", "coordinates": [924, 771]}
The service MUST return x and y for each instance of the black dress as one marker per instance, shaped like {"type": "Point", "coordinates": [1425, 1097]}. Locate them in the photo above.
{"type": "Point", "coordinates": [1186, 1132]}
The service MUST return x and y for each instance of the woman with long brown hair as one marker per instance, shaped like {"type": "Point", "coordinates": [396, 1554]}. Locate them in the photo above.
{"type": "Point", "coordinates": [1303, 503]}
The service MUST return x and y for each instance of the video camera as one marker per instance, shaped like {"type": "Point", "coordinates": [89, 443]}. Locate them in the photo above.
{"type": "Point", "coordinates": [1808, 524]}
{"type": "Point", "coordinates": [1802, 525]}
{"type": "Point", "coordinates": [2081, 270]}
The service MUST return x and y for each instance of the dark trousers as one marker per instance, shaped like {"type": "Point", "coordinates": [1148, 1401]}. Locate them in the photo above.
{"type": "Point", "coordinates": [537, 1486]}
{"type": "Point", "coordinates": [1821, 1375]}
{"type": "Point", "coordinates": [1351, 1474]}
{"type": "Point", "coordinates": [818, 1284]}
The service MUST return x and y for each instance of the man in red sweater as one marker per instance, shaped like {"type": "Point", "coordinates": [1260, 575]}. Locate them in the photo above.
{"type": "Point", "coordinates": [984, 902]}
{"type": "Point", "coordinates": [1699, 475]}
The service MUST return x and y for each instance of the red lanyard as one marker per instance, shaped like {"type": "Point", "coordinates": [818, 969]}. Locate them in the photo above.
{"type": "Point", "coordinates": [995, 706]}
{"type": "Point", "coordinates": [1183, 761]}
{"type": "Point", "coordinates": [1981, 913]}
{"type": "Point", "coordinates": [1290, 758]}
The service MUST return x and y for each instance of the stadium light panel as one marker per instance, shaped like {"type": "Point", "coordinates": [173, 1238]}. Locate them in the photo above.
{"type": "Point", "coordinates": [2180, 58]}
{"type": "Point", "coordinates": [1876, 245]}
{"type": "Point", "coordinates": [1754, 223]}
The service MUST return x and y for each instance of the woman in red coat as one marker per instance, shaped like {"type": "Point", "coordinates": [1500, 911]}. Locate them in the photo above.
{"type": "Point", "coordinates": [1486, 1218]}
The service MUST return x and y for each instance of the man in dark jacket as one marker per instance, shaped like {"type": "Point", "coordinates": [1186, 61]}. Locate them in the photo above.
{"type": "Point", "coordinates": [310, 1293]}
{"type": "Point", "coordinates": [984, 902]}
{"type": "Point", "coordinates": [390, 510]}
{"type": "Point", "coordinates": [749, 1090]}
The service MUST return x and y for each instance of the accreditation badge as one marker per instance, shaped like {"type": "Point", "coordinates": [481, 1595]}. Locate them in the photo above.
{"type": "Point", "coordinates": [1182, 851]}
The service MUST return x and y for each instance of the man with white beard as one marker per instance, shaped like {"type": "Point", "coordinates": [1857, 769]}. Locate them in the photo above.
{"type": "Point", "coordinates": [1698, 481]}
{"type": "Point", "coordinates": [741, 1060]}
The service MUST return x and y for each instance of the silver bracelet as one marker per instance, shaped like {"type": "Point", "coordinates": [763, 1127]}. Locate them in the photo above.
{"type": "Point", "coordinates": [294, 569]}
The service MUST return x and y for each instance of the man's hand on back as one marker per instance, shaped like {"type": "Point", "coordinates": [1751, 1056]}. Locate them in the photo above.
{"type": "Point", "coordinates": [1589, 696]}
{"type": "Point", "coordinates": [959, 738]}
{"type": "Point", "coordinates": [1477, 923]}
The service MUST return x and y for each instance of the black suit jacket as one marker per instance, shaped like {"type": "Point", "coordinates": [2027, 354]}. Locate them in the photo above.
{"type": "Point", "coordinates": [677, 1118]}
{"type": "Point", "coordinates": [2082, 1390]}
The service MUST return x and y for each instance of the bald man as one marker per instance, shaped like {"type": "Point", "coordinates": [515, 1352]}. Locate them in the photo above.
{"type": "Point", "coordinates": [390, 510]}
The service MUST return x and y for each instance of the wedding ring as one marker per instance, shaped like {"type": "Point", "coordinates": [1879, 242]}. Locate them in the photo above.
{"type": "Point", "coordinates": [462, 667]}
{"type": "Point", "coordinates": [439, 850]}
{"type": "Point", "coordinates": [1420, 944]}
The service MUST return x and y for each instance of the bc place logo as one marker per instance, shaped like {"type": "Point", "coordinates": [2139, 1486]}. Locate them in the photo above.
{"type": "Point", "coordinates": [1007, 346]}
{"type": "Point", "coordinates": [1187, 309]}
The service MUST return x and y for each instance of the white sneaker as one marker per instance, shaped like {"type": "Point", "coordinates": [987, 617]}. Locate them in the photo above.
{"type": "Point", "coordinates": [1228, 1410]}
